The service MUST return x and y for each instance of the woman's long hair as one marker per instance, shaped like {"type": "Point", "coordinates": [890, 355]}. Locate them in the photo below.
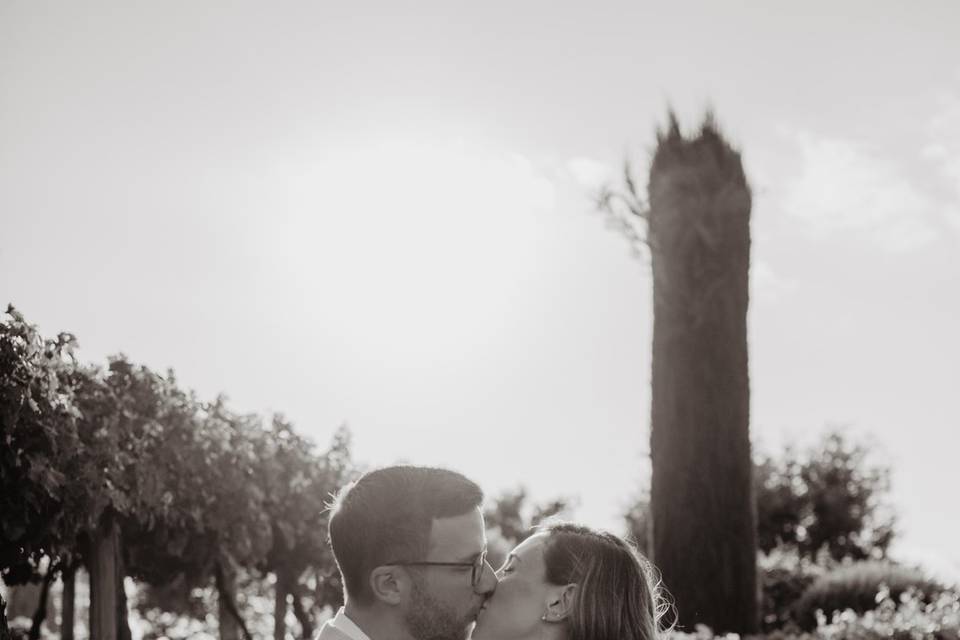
{"type": "Point", "coordinates": [619, 596]}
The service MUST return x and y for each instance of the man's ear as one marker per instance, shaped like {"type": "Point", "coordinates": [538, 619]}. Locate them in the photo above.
{"type": "Point", "coordinates": [388, 584]}
{"type": "Point", "coordinates": [561, 602]}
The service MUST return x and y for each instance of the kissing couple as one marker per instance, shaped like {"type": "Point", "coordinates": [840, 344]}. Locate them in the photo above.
{"type": "Point", "coordinates": [410, 544]}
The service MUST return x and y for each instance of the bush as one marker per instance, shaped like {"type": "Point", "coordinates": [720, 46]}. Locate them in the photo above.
{"type": "Point", "coordinates": [785, 575]}
{"type": "Point", "coordinates": [909, 617]}
{"type": "Point", "coordinates": [858, 586]}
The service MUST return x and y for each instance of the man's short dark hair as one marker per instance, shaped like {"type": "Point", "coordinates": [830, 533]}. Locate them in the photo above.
{"type": "Point", "coordinates": [386, 515]}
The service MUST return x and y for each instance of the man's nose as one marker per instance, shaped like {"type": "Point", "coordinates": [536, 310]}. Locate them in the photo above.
{"type": "Point", "coordinates": [488, 581]}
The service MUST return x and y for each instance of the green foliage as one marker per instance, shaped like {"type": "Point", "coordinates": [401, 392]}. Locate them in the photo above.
{"type": "Point", "coordinates": [39, 441]}
{"type": "Point", "coordinates": [299, 484]}
{"type": "Point", "coordinates": [829, 496]}
{"type": "Point", "coordinates": [909, 616]}
{"type": "Point", "coordinates": [905, 617]}
{"type": "Point", "coordinates": [784, 576]}
{"type": "Point", "coordinates": [855, 587]}
{"type": "Point", "coordinates": [195, 486]}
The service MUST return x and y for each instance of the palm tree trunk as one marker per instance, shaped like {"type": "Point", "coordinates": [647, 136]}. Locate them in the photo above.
{"type": "Point", "coordinates": [704, 517]}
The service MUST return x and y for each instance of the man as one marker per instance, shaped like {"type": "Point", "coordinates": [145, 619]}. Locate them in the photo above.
{"type": "Point", "coordinates": [411, 548]}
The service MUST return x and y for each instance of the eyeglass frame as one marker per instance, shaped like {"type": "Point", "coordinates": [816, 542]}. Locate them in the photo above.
{"type": "Point", "coordinates": [477, 566]}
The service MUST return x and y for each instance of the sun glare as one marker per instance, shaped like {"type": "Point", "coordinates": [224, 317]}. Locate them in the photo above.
{"type": "Point", "coordinates": [413, 249]}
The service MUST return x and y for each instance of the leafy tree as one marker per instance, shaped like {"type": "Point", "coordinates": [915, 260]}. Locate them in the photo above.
{"type": "Point", "coordinates": [703, 512]}
{"type": "Point", "coordinates": [43, 490]}
{"type": "Point", "coordinates": [298, 485]}
{"type": "Point", "coordinates": [38, 431]}
{"type": "Point", "coordinates": [829, 497]}
{"type": "Point", "coordinates": [122, 469]}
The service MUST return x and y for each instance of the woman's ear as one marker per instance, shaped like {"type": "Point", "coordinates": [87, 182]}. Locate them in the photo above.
{"type": "Point", "coordinates": [387, 584]}
{"type": "Point", "coordinates": [561, 603]}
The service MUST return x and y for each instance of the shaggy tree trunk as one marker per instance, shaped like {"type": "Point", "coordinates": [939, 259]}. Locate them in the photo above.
{"type": "Point", "coordinates": [41, 613]}
{"type": "Point", "coordinates": [230, 619]}
{"type": "Point", "coordinates": [69, 597]}
{"type": "Point", "coordinates": [108, 601]}
{"type": "Point", "coordinates": [303, 617]}
{"type": "Point", "coordinates": [280, 607]}
{"type": "Point", "coordinates": [704, 517]}
{"type": "Point", "coordinates": [226, 602]}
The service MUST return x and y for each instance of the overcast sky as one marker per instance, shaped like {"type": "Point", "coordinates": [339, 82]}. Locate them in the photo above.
{"type": "Point", "coordinates": [379, 213]}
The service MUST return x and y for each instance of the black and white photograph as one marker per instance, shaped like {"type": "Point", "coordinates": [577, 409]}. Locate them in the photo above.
{"type": "Point", "coordinates": [526, 320]}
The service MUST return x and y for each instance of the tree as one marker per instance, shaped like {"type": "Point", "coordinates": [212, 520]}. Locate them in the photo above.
{"type": "Point", "coordinates": [121, 469]}
{"type": "Point", "coordinates": [44, 513]}
{"type": "Point", "coordinates": [38, 431]}
{"type": "Point", "coordinates": [703, 512]}
{"type": "Point", "coordinates": [829, 497]}
{"type": "Point", "coordinates": [298, 484]}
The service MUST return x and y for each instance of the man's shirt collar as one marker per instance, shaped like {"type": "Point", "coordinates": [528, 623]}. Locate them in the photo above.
{"type": "Point", "coordinates": [342, 623]}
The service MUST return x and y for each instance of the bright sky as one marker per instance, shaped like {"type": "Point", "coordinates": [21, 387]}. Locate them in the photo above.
{"type": "Point", "coordinates": [380, 214]}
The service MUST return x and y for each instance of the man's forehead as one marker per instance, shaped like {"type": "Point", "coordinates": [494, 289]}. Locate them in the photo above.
{"type": "Point", "coordinates": [458, 537]}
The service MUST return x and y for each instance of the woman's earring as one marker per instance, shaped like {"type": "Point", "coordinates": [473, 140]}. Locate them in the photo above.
{"type": "Point", "coordinates": [544, 617]}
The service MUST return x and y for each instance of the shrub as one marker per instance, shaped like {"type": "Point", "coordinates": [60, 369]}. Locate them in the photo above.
{"type": "Point", "coordinates": [909, 617]}
{"type": "Point", "coordinates": [785, 575]}
{"type": "Point", "coordinates": [856, 587]}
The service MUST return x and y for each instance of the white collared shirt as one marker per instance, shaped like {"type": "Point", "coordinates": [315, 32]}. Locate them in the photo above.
{"type": "Point", "coordinates": [345, 625]}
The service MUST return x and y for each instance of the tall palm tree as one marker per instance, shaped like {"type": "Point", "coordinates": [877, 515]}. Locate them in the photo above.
{"type": "Point", "coordinates": [702, 506]}
{"type": "Point", "coordinates": [703, 510]}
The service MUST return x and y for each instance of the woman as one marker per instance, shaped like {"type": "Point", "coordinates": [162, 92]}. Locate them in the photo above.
{"type": "Point", "coordinates": [569, 582]}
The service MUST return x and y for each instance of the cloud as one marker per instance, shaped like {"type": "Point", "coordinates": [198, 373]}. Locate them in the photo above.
{"type": "Point", "coordinates": [590, 173]}
{"type": "Point", "coordinates": [843, 186]}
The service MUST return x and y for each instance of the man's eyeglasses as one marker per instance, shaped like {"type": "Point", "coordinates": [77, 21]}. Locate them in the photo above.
{"type": "Point", "coordinates": [477, 566]}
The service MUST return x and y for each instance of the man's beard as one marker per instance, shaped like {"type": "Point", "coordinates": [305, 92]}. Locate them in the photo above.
{"type": "Point", "coordinates": [429, 619]}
